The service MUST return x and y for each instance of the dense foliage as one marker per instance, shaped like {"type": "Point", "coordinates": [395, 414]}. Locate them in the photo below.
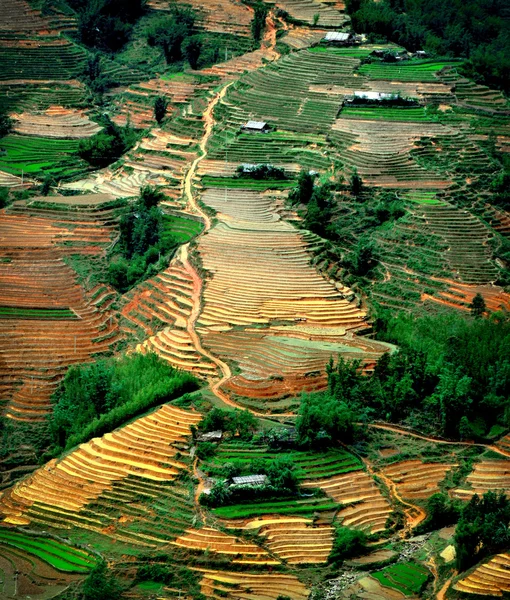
{"type": "Point", "coordinates": [170, 32]}
{"type": "Point", "coordinates": [96, 398]}
{"type": "Point", "coordinates": [258, 23]}
{"type": "Point", "coordinates": [108, 145]}
{"type": "Point", "coordinates": [143, 242]}
{"type": "Point", "coordinates": [450, 375]}
{"type": "Point", "coordinates": [483, 529]}
{"type": "Point", "coordinates": [442, 511]}
{"type": "Point", "coordinates": [478, 30]}
{"type": "Point", "coordinates": [347, 543]}
{"type": "Point", "coordinates": [281, 482]}
{"type": "Point", "coordinates": [236, 422]}
{"type": "Point", "coordinates": [325, 418]}
{"type": "Point", "coordinates": [106, 24]}
{"type": "Point", "coordinates": [260, 172]}
{"type": "Point", "coordinates": [6, 124]}
{"type": "Point", "coordinates": [101, 584]}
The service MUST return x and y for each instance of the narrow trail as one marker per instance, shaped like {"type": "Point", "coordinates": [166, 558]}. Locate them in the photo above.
{"type": "Point", "coordinates": [436, 440]}
{"type": "Point", "coordinates": [411, 520]}
{"type": "Point", "coordinates": [442, 592]}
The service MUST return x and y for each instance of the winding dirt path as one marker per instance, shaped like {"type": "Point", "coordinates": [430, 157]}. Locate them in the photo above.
{"type": "Point", "coordinates": [196, 297]}
{"type": "Point", "coordinates": [436, 440]}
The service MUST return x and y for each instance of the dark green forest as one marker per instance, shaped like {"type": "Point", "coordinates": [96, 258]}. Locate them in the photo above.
{"type": "Point", "coordinates": [478, 30]}
{"type": "Point", "coordinates": [450, 376]}
{"type": "Point", "coordinates": [96, 398]}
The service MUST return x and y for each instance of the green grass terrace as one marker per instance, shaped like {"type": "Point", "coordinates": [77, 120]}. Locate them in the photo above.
{"type": "Point", "coordinates": [46, 314]}
{"type": "Point", "coordinates": [247, 183]}
{"type": "Point", "coordinates": [310, 465]}
{"type": "Point", "coordinates": [58, 555]}
{"type": "Point", "coordinates": [412, 70]}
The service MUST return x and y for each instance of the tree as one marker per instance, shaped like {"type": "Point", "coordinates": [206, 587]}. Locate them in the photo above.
{"type": "Point", "coordinates": [478, 306]}
{"type": "Point", "coordinates": [347, 543]}
{"type": "Point", "coordinates": [323, 420]}
{"type": "Point", "coordinates": [160, 108]}
{"type": "Point", "coordinates": [259, 20]}
{"type": "Point", "coordinates": [46, 185]}
{"type": "Point", "coordinates": [482, 529]}
{"type": "Point", "coordinates": [6, 125]}
{"type": "Point", "coordinates": [192, 47]}
{"type": "Point", "coordinates": [305, 183]}
{"type": "Point", "coordinates": [101, 585]}
{"type": "Point", "coordinates": [170, 32]}
{"type": "Point", "coordinates": [356, 184]}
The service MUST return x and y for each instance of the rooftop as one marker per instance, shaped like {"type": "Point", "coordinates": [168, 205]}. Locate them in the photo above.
{"type": "Point", "coordinates": [374, 95]}
{"type": "Point", "coordinates": [255, 125]}
{"type": "Point", "coordinates": [337, 36]}
{"type": "Point", "coordinates": [250, 480]}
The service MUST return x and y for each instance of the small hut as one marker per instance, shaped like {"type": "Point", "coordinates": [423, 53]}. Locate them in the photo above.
{"type": "Point", "coordinates": [255, 127]}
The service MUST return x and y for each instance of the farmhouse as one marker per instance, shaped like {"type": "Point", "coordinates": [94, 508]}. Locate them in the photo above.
{"type": "Point", "coordinates": [376, 96]}
{"type": "Point", "coordinates": [255, 127]}
{"type": "Point", "coordinates": [211, 436]}
{"type": "Point", "coordinates": [254, 480]}
{"type": "Point", "coordinates": [340, 38]}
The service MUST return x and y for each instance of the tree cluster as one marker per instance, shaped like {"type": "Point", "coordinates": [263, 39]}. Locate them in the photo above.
{"type": "Point", "coordinates": [106, 24]}
{"type": "Point", "coordinates": [237, 422]}
{"type": "Point", "coordinates": [450, 376]}
{"type": "Point", "coordinates": [324, 419]}
{"type": "Point", "coordinates": [95, 398]}
{"type": "Point", "coordinates": [260, 172]}
{"type": "Point", "coordinates": [142, 242]}
{"type": "Point", "coordinates": [347, 544]}
{"type": "Point", "coordinates": [478, 30]}
{"type": "Point", "coordinates": [258, 22]}
{"type": "Point", "coordinates": [108, 145]}
{"type": "Point", "coordinates": [177, 36]}
{"type": "Point", "coordinates": [101, 584]}
{"type": "Point", "coordinates": [483, 529]}
{"type": "Point", "coordinates": [281, 482]}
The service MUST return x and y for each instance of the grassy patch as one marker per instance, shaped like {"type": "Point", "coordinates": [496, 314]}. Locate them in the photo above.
{"type": "Point", "coordinates": [408, 71]}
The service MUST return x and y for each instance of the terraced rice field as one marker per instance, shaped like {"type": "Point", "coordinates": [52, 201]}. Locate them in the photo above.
{"type": "Point", "coordinates": [27, 574]}
{"type": "Point", "coordinates": [415, 70]}
{"type": "Point", "coordinates": [308, 464]}
{"type": "Point", "coordinates": [294, 540]}
{"type": "Point", "coordinates": [140, 456]}
{"type": "Point", "coordinates": [261, 275]}
{"type": "Point", "coordinates": [51, 322]}
{"type": "Point", "coordinates": [487, 475]}
{"type": "Point", "coordinates": [39, 156]}
{"type": "Point", "coordinates": [157, 311]}
{"type": "Point", "coordinates": [408, 578]}
{"type": "Point", "coordinates": [12, 312]}
{"type": "Point", "coordinates": [366, 507]}
{"type": "Point", "coordinates": [56, 554]}
{"type": "Point", "coordinates": [55, 122]}
{"type": "Point", "coordinates": [330, 15]}
{"type": "Point", "coordinates": [415, 479]}
{"type": "Point", "coordinates": [489, 579]}
{"type": "Point", "coordinates": [224, 584]}
{"type": "Point", "coordinates": [212, 540]}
